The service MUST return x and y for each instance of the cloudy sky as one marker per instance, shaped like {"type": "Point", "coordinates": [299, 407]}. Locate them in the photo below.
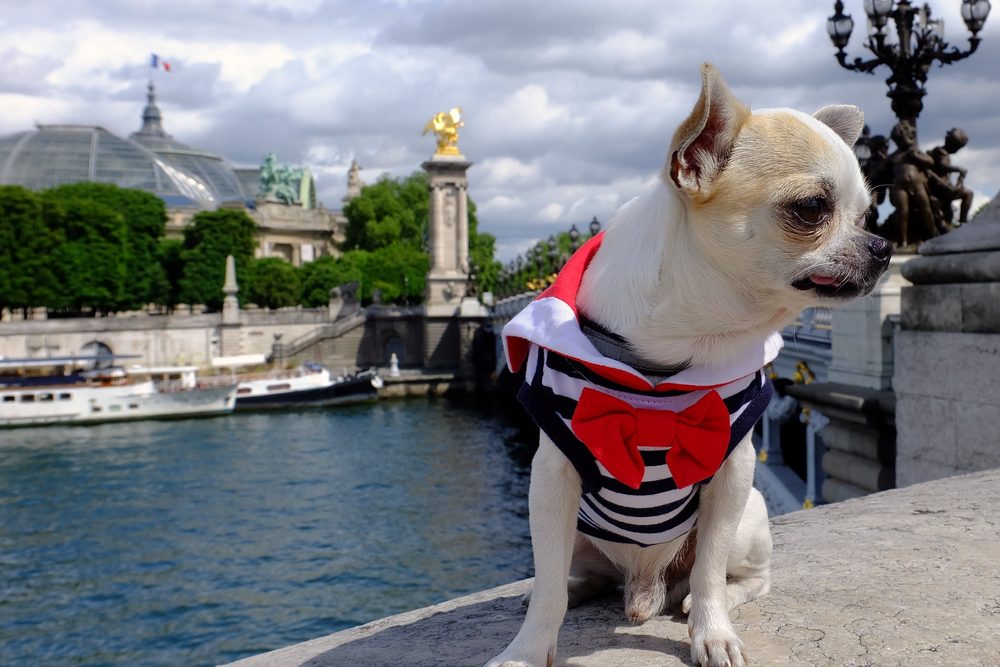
{"type": "Point", "coordinates": [569, 104]}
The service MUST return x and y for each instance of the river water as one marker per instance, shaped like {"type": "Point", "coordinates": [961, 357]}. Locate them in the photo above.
{"type": "Point", "coordinates": [197, 542]}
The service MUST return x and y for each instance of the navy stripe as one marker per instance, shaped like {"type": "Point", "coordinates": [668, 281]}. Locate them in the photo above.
{"type": "Point", "coordinates": [745, 422]}
{"type": "Point", "coordinates": [561, 364]}
{"type": "Point", "coordinates": [563, 405]}
{"type": "Point", "coordinates": [639, 511]}
{"type": "Point", "coordinates": [554, 427]}
{"type": "Point", "coordinates": [672, 522]}
{"type": "Point", "coordinates": [658, 486]}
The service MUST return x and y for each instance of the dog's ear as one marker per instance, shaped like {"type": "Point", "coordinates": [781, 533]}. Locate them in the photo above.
{"type": "Point", "coordinates": [845, 119]}
{"type": "Point", "coordinates": [702, 144]}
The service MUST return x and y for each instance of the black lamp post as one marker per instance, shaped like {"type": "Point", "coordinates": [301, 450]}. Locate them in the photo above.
{"type": "Point", "coordinates": [920, 42]}
{"type": "Point", "coordinates": [595, 226]}
{"type": "Point", "coordinates": [574, 238]}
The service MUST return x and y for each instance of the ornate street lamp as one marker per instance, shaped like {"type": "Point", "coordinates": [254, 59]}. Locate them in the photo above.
{"type": "Point", "coordinates": [595, 227]}
{"type": "Point", "coordinates": [574, 238]}
{"type": "Point", "coordinates": [920, 42]}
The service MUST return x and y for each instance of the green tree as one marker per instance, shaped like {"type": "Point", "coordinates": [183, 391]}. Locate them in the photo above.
{"type": "Point", "coordinates": [145, 217]}
{"type": "Point", "coordinates": [29, 243]}
{"type": "Point", "coordinates": [322, 275]}
{"type": "Point", "coordinates": [167, 287]}
{"type": "Point", "coordinates": [398, 271]}
{"type": "Point", "coordinates": [93, 257]}
{"type": "Point", "coordinates": [211, 236]}
{"type": "Point", "coordinates": [482, 249]}
{"type": "Point", "coordinates": [272, 283]}
{"type": "Point", "coordinates": [389, 211]}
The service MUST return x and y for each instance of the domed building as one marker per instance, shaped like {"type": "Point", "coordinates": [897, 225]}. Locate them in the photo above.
{"type": "Point", "coordinates": [187, 179]}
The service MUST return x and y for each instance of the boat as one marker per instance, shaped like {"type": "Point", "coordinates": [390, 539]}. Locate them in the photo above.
{"type": "Point", "coordinates": [88, 390]}
{"type": "Point", "coordinates": [309, 385]}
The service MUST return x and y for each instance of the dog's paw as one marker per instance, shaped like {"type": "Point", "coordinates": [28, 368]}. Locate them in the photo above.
{"type": "Point", "coordinates": [507, 659]}
{"type": "Point", "coordinates": [717, 647]}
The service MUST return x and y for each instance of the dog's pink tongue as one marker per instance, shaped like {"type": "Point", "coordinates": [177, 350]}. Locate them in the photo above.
{"type": "Point", "coordinates": [822, 280]}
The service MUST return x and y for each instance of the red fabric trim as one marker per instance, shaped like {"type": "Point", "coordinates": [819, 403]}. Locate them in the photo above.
{"type": "Point", "coordinates": [567, 284]}
{"type": "Point", "coordinates": [566, 288]}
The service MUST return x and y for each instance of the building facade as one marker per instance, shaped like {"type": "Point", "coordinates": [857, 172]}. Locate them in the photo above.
{"type": "Point", "coordinates": [292, 226]}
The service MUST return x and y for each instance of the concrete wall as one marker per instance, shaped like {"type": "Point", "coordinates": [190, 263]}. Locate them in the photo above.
{"type": "Point", "coordinates": [948, 403]}
{"type": "Point", "coordinates": [157, 339]}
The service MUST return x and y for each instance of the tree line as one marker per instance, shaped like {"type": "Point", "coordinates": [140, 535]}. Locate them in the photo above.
{"type": "Point", "coordinates": [92, 248]}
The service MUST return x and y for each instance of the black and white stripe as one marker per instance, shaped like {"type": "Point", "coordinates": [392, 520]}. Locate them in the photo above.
{"type": "Point", "coordinates": [657, 511]}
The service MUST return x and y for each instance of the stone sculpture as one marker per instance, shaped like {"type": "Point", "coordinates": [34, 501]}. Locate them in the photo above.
{"type": "Point", "coordinates": [280, 182]}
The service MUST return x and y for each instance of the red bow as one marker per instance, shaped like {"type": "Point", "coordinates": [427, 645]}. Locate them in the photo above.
{"type": "Point", "coordinates": [613, 431]}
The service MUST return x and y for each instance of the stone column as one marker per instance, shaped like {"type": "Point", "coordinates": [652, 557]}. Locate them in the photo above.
{"type": "Point", "coordinates": [463, 230]}
{"type": "Point", "coordinates": [862, 341]}
{"type": "Point", "coordinates": [947, 377]}
{"type": "Point", "coordinates": [448, 275]}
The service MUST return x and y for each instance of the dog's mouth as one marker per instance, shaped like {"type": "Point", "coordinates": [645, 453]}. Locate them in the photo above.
{"type": "Point", "coordinates": [834, 287]}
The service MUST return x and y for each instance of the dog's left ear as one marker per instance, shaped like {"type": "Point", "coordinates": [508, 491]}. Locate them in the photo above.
{"type": "Point", "coordinates": [702, 144]}
{"type": "Point", "coordinates": [845, 119]}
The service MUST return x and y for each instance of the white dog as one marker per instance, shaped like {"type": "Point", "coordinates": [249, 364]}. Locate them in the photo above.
{"type": "Point", "coordinates": [643, 367]}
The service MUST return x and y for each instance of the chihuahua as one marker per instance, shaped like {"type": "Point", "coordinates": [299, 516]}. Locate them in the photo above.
{"type": "Point", "coordinates": [643, 367]}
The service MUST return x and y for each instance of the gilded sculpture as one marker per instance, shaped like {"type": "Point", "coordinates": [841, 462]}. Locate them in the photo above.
{"type": "Point", "coordinates": [445, 125]}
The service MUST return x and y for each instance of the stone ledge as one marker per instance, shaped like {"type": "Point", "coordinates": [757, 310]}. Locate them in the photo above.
{"type": "Point", "coordinates": [904, 577]}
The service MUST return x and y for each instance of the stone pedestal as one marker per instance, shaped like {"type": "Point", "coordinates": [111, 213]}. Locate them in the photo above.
{"type": "Point", "coordinates": [448, 234]}
{"type": "Point", "coordinates": [230, 340]}
{"type": "Point", "coordinates": [948, 354]}
{"type": "Point", "coordinates": [862, 333]}
{"type": "Point", "coordinates": [447, 280]}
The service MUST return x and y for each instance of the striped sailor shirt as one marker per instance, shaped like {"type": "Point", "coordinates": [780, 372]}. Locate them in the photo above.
{"type": "Point", "coordinates": [641, 472]}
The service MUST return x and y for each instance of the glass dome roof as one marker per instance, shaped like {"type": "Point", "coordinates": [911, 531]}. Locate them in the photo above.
{"type": "Point", "coordinates": [149, 160]}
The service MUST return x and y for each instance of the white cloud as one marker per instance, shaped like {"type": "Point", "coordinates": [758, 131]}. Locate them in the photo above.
{"type": "Point", "coordinates": [569, 105]}
{"type": "Point", "coordinates": [551, 212]}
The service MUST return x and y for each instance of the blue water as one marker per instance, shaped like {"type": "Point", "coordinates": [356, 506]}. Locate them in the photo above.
{"type": "Point", "coordinates": [202, 541]}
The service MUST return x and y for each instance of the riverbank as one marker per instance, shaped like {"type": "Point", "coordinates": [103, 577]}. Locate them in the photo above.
{"type": "Point", "coordinates": [410, 383]}
{"type": "Point", "coordinates": [904, 577]}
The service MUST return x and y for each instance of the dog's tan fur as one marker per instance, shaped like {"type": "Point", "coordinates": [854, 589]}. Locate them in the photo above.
{"type": "Point", "coordinates": [701, 270]}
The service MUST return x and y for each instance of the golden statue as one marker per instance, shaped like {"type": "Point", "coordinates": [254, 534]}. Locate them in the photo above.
{"type": "Point", "coordinates": [445, 125]}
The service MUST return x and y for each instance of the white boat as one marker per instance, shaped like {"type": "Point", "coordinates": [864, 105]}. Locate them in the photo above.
{"type": "Point", "coordinates": [62, 394]}
{"type": "Point", "coordinates": [309, 385]}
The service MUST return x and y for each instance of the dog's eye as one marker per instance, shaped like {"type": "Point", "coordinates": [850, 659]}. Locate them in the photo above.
{"type": "Point", "coordinates": [810, 211]}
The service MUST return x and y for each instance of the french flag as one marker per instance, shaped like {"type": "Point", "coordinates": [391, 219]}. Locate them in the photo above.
{"type": "Point", "coordinates": [156, 62]}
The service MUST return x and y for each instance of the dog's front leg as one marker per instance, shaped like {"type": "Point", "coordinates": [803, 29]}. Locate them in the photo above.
{"type": "Point", "coordinates": [553, 503]}
{"type": "Point", "coordinates": [714, 642]}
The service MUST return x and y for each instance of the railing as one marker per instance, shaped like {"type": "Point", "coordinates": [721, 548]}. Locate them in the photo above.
{"type": "Point", "coordinates": [282, 350]}
{"type": "Point", "coordinates": [538, 267]}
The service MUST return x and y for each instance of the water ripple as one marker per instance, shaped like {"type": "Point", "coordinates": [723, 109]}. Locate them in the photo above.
{"type": "Point", "coordinates": [202, 541]}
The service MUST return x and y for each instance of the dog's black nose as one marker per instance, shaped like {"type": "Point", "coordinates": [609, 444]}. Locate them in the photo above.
{"type": "Point", "coordinates": [879, 248]}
